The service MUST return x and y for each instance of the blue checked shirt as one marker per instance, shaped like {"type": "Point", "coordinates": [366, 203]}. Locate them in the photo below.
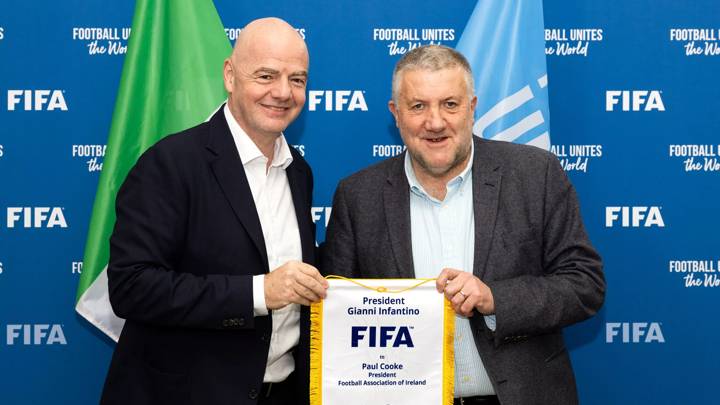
{"type": "Point", "coordinates": [443, 235]}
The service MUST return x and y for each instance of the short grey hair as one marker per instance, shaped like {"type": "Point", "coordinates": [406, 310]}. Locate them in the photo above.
{"type": "Point", "coordinates": [431, 58]}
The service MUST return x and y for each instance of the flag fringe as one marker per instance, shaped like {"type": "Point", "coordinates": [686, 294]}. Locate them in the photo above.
{"type": "Point", "coordinates": [316, 318]}
{"type": "Point", "coordinates": [448, 389]}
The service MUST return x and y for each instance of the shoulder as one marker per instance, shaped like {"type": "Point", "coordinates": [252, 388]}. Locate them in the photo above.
{"type": "Point", "coordinates": [179, 149]}
{"type": "Point", "coordinates": [515, 159]}
{"type": "Point", "coordinates": [508, 151]}
{"type": "Point", "coordinates": [183, 142]}
{"type": "Point", "coordinates": [369, 179]}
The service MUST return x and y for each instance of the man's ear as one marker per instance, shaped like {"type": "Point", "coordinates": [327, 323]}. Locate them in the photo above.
{"type": "Point", "coordinates": [228, 76]}
{"type": "Point", "coordinates": [393, 109]}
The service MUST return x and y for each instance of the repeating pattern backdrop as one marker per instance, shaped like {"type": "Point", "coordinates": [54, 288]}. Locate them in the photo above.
{"type": "Point", "coordinates": [634, 100]}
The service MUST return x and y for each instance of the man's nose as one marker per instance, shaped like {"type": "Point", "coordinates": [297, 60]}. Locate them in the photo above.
{"type": "Point", "coordinates": [281, 89]}
{"type": "Point", "coordinates": [434, 121]}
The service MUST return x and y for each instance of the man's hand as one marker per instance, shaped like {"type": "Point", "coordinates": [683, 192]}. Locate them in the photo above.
{"type": "Point", "coordinates": [466, 292]}
{"type": "Point", "coordinates": [294, 283]}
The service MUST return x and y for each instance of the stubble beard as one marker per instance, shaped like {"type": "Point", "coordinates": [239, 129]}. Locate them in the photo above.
{"type": "Point", "coordinates": [461, 154]}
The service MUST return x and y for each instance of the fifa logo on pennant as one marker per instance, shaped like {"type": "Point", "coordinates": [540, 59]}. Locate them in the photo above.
{"type": "Point", "coordinates": [382, 336]}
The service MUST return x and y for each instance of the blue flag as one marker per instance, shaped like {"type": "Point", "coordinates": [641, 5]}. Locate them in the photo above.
{"type": "Point", "coordinates": [504, 43]}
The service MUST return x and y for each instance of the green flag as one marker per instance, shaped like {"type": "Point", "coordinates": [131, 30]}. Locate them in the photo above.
{"type": "Point", "coordinates": [171, 80]}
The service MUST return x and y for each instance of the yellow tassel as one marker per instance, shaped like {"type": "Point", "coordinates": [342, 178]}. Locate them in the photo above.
{"type": "Point", "coordinates": [316, 317]}
{"type": "Point", "coordinates": [449, 354]}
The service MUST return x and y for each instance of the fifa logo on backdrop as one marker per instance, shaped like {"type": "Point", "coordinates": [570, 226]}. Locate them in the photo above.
{"type": "Point", "coordinates": [337, 100]}
{"type": "Point", "coordinates": [320, 213]}
{"type": "Point", "coordinates": [36, 100]}
{"type": "Point", "coordinates": [35, 217]}
{"type": "Point", "coordinates": [634, 100]}
{"type": "Point", "coordinates": [38, 334]}
{"type": "Point", "coordinates": [634, 217]}
{"type": "Point", "coordinates": [633, 332]}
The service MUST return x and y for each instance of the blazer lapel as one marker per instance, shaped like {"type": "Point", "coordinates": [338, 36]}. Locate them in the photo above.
{"type": "Point", "coordinates": [297, 181]}
{"type": "Point", "coordinates": [486, 191]}
{"type": "Point", "coordinates": [396, 196]}
{"type": "Point", "coordinates": [230, 174]}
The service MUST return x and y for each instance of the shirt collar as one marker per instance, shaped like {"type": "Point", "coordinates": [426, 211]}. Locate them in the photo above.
{"type": "Point", "coordinates": [249, 151]}
{"type": "Point", "coordinates": [458, 180]}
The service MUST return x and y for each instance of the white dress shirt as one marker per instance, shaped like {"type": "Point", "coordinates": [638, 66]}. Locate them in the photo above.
{"type": "Point", "coordinates": [273, 201]}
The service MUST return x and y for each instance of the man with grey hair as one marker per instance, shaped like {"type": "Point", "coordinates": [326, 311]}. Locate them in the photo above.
{"type": "Point", "coordinates": [498, 224]}
{"type": "Point", "coordinates": [213, 248]}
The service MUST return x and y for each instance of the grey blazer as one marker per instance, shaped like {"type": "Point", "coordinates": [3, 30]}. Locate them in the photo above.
{"type": "Point", "coordinates": [531, 249]}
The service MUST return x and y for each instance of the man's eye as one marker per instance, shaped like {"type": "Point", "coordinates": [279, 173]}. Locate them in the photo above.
{"type": "Point", "coordinates": [451, 104]}
{"type": "Point", "coordinates": [416, 107]}
{"type": "Point", "coordinates": [265, 77]}
{"type": "Point", "coordinates": [298, 82]}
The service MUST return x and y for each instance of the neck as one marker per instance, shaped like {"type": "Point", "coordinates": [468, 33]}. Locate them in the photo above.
{"type": "Point", "coordinates": [266, 145]}
{"type": "Point", "coordinates": [436, 185]}
{"type": "Point", "coordinates": [264, 141]}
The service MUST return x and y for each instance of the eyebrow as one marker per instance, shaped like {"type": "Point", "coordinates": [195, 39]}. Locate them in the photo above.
{"type": "Point", "coordinates": [275, 72]}
{"type": "Point", "coordinates": [266, 70]}
{"type": "Point", "coordinates": [452, 97]}
{"type": "Point", "coordinates": [299, 73]}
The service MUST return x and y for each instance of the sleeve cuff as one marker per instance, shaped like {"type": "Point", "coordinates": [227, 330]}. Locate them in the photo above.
{"type": "Point", "coordinates": [490, 322]}
{"type": "Point", "coordinates": [258, 287]}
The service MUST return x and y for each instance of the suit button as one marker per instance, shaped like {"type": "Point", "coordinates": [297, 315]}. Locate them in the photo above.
{"type": "Point", "coordinates": [240, 322]}
{"type": "Point", "coordinates": [253, 394]}
{"type": "Point", "coordinates": [225, 323]}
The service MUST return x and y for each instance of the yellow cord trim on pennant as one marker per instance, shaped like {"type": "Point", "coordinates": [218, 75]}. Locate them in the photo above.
{"type": "Point", "coordinates": [448, 388]}
{"type": "Point", "coordinates": [381, 289]}
{"type": "Point", "coordinates": [316, 317]}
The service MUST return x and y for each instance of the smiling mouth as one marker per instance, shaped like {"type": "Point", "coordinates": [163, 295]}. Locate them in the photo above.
{"type": "Point", "coordinates": [276, 108]}
{"type": "Point", "coordinates": [436, 140]}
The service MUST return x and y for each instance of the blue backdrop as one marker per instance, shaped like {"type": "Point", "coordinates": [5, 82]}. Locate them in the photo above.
{"type": "Point", "coordinates": [634, 101]}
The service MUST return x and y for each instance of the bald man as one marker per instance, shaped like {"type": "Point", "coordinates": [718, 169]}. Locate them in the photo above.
{"type": "Point", "coordinates": [212, 254]}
